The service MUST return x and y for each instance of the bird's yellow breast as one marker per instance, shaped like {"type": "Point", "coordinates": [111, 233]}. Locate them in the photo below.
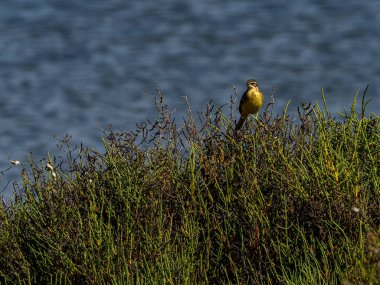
{"type": "Point", "coordinates": [253, 102]}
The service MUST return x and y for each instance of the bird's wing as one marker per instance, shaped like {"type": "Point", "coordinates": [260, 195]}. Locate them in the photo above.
{"type": "Point", "coordinates": [242, 101]}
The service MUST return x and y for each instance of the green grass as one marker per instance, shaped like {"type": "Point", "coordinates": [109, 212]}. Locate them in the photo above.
{"type": "Point", "coordinates": [289, 200]}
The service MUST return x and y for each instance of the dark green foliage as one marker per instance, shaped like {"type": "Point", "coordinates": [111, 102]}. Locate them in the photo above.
{"type": "Point", "coordinates": [282, 202]}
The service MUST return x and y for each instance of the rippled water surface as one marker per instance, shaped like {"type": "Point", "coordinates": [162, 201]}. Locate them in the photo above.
{"type": "Point", "coordinates": [77, 66]}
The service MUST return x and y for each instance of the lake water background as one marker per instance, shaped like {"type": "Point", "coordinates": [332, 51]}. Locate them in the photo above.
{"type": "Point", "coordinates": [77, 66]}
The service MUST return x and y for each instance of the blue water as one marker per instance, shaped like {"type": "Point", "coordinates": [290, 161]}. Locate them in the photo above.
{"type": "Point", "coordinates": [77, 66]}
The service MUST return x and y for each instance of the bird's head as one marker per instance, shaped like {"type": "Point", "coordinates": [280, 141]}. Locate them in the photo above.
{"type": "Point", "coordinates": [252, 84]}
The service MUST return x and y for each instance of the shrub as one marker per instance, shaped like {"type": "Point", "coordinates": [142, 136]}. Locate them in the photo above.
{"type": "Point", "coordinates": [286, 201]}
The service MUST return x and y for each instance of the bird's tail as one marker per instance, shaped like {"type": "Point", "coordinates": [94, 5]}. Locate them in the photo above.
{"type": "Point", "coordinates": [240, 123]}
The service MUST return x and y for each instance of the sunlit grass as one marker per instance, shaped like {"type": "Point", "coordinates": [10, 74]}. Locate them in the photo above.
{"type": "Point", "coordinates": [289, 200]}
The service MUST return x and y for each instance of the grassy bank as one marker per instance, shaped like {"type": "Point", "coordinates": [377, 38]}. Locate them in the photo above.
{"type": "Point", "coordinates": [289, 200]}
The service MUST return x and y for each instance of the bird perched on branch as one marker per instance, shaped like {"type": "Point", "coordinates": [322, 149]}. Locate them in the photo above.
{"type": "Point", "coordinates": [250, 103]}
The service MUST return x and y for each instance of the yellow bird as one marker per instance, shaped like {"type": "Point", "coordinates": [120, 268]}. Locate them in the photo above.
{"type": "Point", "coordinates": [250, 103]}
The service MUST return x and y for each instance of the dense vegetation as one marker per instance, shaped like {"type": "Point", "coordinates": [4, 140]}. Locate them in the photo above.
{"type": "Point", "coordinates": [289, 200]}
